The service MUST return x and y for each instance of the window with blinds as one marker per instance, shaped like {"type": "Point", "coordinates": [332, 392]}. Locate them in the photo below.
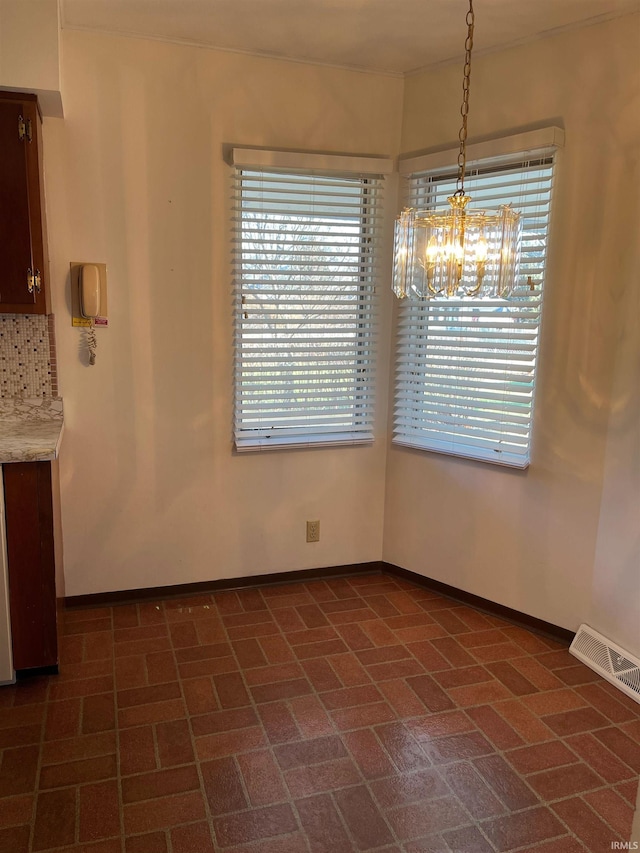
{"type": "Point", "coordinates": [306, 251]}
{"type": "Point", "coordinates": [466, 367]}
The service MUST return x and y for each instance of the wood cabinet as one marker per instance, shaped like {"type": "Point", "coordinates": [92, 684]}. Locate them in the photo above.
{"type": "Point", "coordinates": [28, 499]}
{"type": "Point", "coordinates": [23, 257]}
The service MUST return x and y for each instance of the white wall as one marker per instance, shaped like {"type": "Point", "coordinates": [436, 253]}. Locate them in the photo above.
{"type": "Point", "coordinates": [529, 539]}
{"type": "Point", "coordinates": [152, 493]}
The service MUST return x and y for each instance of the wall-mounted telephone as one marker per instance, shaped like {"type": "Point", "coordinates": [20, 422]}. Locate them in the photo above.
{"type": "Point", "coordinates": [89, 301]}
{"type": "Point", "coordinates": [89, 291]}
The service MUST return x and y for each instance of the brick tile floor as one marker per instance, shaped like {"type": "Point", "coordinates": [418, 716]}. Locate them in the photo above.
{"type": "Point", "coordinates": [342, 715]}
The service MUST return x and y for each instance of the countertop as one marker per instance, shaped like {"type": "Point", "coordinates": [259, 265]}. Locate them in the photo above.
{"type": "Point", "coordinates": [30, 429]}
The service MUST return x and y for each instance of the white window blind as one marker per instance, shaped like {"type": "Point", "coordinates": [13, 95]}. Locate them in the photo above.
{"type": "Point", "coordinates": [465, 367]}
{"type": "Point", "coordinates": [306, 265]}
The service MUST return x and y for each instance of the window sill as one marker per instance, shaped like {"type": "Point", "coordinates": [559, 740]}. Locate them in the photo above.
{"type": "Point", "coordinates": [251, 445]}
{"type": "Point", "coordinates": [505, 460]}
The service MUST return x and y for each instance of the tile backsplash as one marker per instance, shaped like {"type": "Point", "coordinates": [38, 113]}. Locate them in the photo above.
{"type": "Point", "coordinates": [27, 356]}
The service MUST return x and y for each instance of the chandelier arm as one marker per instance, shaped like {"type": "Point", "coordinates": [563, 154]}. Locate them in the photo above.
{"type": "Point", "coordinates": [464, 109]}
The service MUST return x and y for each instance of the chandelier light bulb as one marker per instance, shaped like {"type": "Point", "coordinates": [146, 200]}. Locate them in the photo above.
{"type": "Point", "coordinates": [482, 251]}
{"type": "Point", "coordinates": [432, 252]}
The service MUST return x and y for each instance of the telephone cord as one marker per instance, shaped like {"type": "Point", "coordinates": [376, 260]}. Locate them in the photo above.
{"type": "Point", "coordinates": [92, 343]}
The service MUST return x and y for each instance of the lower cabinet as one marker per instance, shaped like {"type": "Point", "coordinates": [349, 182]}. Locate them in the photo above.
{"type": "Point", "coordinates": [31, 564]}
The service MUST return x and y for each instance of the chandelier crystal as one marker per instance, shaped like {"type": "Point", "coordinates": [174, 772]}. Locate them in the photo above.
{"type": "Point", "coordinates": [458, 252]}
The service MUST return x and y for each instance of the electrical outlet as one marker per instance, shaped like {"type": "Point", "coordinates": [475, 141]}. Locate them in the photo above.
{"type": "Point", "coordinates": [313, 531]}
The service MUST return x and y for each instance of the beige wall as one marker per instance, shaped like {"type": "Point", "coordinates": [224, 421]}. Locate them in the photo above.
{"type": "Point", "coordinates": [529, 539]}
{"type": "Point", "coordinates": [615, 604]}
{"type": "Point", "coordinates": [151, 491]}
{"type": "Point", "coordinates": [30, 50]}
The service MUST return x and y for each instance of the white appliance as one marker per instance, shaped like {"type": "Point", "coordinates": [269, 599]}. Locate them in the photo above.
{"type": "Point", "coordinates": [7, 674]}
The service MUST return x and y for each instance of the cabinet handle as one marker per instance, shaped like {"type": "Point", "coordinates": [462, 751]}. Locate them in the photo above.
{"type": "Point", "coordinates": [34, 281]}
{"type": "Point", "coordinates": [24, 129]}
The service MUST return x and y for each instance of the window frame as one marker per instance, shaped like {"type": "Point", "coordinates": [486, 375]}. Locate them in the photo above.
{"type": "Point", "coordinates": [428, 169]}
{"type": "Point", "coordinates": [369, 172]}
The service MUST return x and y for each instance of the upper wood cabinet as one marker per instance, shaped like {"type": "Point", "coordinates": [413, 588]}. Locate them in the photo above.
{"type": "Point", "coordinates": [23, 251]}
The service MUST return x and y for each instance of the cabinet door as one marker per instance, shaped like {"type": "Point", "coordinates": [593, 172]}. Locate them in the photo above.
{"type": "Point", "coordinates": [21, 247]}
{"type": "Point", "coordinates": [31, 563]}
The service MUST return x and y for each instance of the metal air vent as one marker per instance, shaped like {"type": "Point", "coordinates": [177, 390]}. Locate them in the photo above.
{"type": "Point", "coordinates": [608, 659]}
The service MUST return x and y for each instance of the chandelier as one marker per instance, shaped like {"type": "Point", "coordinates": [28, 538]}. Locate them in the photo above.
{"type": "Point", "coordinates": [457, 252]}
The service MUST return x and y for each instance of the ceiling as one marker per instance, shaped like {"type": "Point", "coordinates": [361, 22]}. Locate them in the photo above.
{"type": "Point", "coordinates": [393, 36]}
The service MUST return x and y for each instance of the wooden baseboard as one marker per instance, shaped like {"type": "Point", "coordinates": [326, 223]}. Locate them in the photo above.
{"type": "Point", "coordinates": [532, 623]}
{"type": "Point", "coordinates": [35, 671]}
{"type": "Point", "coordinates": [132, 596]}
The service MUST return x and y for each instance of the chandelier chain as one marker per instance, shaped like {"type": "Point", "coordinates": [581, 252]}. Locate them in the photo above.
{"type": "Point", "coordinates": [464, 109]}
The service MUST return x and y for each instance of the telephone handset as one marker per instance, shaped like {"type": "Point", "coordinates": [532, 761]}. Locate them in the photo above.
{"type": "Point", "coordinates": [90, 304]}
{"type": "Point", "coordinates": [89, 291]}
